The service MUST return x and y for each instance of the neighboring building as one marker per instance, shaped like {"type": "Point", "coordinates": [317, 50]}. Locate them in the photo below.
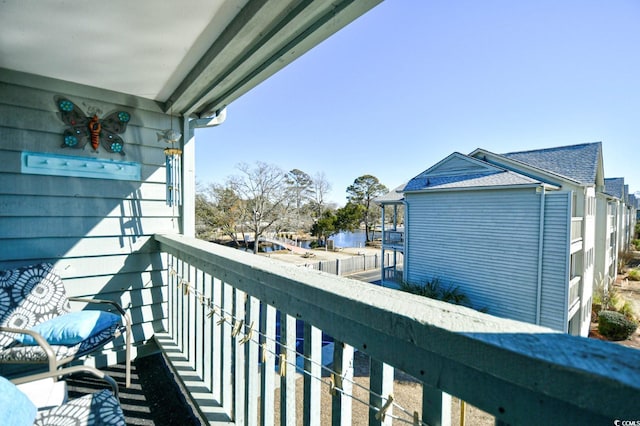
{"type": "Point", "coordinates": [516, 232]}
{"type": "Point", "coordinates": [609, 218]}
{"type": "Point", "coordinates": [392, 237]}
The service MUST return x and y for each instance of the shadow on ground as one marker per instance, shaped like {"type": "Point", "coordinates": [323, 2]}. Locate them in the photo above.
{"type": "Point", "coordinates": [154, 397]}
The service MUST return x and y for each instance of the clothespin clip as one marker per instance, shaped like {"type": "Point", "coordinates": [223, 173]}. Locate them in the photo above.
{"type": "Point", "coordinates": [173, 272]}
{"type": "Point", "coordinates": [380, 415]}
{"type": "Point", "coordinates": [201, 298]}
{"type": "Point", "coordinates": [416, 418]}
{"type": "Point", "coordinates": [335, 383]}
{"type": "Point", "coordinates": [282, 367]}
{"type": "Point", "coordinates": [264, 352]}
{"type": "Point", "coordinates": [247, 336]}
{"type": "Point", "coordinates": [236, 328]}
{"type": "Point", "coordinates": [332, 384]}
{"type": "Point", "coordinates": [221, 320]}
{"type": "Point", "coordinates": [186, 286]}
{"type": "Point", "coordinates": [212, 311]}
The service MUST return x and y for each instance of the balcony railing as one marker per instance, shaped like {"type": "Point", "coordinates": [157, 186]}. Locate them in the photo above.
{"type": "Point", "coordinates": [393, 238]}
{"type": "Point", "coordinates": [239, 326]}
{"type": "Point", "coordinates": [576, 228]}
{"type": "Point", "coordinates": [574, 290]}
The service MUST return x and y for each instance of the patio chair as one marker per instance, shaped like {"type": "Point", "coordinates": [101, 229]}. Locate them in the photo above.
{"type": "Point", "coordinates": [38, 326]}
{"type": "Point", "coordinates": [42, 400]}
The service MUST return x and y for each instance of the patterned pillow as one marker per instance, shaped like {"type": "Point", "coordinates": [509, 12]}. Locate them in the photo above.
{"type": "Point", "coordinates": [28, 296]}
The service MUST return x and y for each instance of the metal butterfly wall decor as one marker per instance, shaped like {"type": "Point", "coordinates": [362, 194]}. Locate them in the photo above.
{"type": "Point", "coordinates": [85, 128]}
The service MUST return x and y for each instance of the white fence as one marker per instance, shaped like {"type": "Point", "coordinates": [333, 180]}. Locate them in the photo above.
{"type": "Point", "coordinates": [354, 264]}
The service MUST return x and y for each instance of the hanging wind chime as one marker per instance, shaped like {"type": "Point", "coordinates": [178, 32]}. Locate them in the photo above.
{"type": "Point", "coordinates": [173, 162]}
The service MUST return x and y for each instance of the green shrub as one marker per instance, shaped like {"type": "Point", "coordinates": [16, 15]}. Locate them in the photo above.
{"type": "Point", "coordinates": [627, 310]}
{"type": "Point", "coordinates": [605, 298]}
{"type": "Point", "coordinates": [429, 289]}
{"type": "Point", "coordinates": [634, 274]}
{"type": "Point", "coordinates": [434, 290]}
{"type": "Point", "coordinates": [615, 326]}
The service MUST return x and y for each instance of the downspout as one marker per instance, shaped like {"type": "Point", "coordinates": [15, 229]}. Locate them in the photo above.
{"type": "Point", "coordinates": [188, 168]}
{"type": "Point", "coordinates": [540, 250]}
{"type": "Point", "coordinates": [405, 243]}
{"type": "Point", "coordinates": [383, 250]}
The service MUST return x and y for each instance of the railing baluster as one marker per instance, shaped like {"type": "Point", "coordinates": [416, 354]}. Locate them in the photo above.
{"type": "Point", "coordinates": [239, 377]}
{"type": "Point", "coordinates": [313, 359]}
{"type": "Point", "coordinates": [172, 296]}
{"type": "Point", "coordinates": [341, 406]}
{"type": "Point", "coordinates": [381, 383]}
{"type": "Point", "coordinates": [252, 350]}
{"type": "Point", "coordinates": [216, 340]}
{"type": "Point", "coordinates": [181, 335]}
{"type": "Point", "coordinates": [436, 407]}
{"type": "Point", "coordinates": [267, 385]}
{"type": "Point", "coordinates": [193, 325]}
{"type": "Point", "coordinates": [226, 378]}
{"type": "Point", "coordinates": [288, 377]}
{"type": "Point", "coordinates": [207, 332]}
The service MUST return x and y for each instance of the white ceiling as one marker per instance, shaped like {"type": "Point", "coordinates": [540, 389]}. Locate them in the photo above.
{"type": "Point", "coordinates": [198, 54]}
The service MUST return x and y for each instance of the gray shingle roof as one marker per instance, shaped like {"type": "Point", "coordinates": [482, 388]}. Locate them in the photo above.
{"type": "Point", "coordinates": [471, 180]}
{"type": "Point", "coordinates": [395, 195]}
{"type": "Point", "coordinates": [576, 162]}
{"type": "Point", "coordinates": [614, 186]}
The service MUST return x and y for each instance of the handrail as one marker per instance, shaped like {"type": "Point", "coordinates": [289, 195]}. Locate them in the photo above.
{"type": "Point", "coordinates": [507, 368]}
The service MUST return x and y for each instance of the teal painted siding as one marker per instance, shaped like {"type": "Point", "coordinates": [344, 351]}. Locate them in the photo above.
{"type": "Point", "coordinates": [97, 231]}
{"type": "Point", "coordinates": [486, 242]}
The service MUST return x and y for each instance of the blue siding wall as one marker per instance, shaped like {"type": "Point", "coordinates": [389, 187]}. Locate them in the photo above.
{"type": "Point", "coordinates": [486, 242]}
{"type": "Point", "coordinates": [96, 231]}
{"type": "Point", "coordinates": [555, 261]}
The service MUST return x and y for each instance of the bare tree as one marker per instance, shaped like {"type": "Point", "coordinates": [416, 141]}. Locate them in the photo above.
{"type": "Point", "coordinates": [320, 190]}
{"type": "Point", "coordinates": [263, 190]}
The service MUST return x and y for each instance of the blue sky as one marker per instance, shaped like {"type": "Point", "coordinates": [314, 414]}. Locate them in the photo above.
{"type": "Point", "coordinates": [412, 81]}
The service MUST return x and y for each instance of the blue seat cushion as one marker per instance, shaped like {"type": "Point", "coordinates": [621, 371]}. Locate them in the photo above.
{"type": "Point", "coordinates": [71, 328]}
{"type": "Point", "coordinates": [16, 408]}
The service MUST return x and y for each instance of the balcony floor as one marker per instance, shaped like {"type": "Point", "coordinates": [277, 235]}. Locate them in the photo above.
{"type": "Point", "coordinates": [154, 397]}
